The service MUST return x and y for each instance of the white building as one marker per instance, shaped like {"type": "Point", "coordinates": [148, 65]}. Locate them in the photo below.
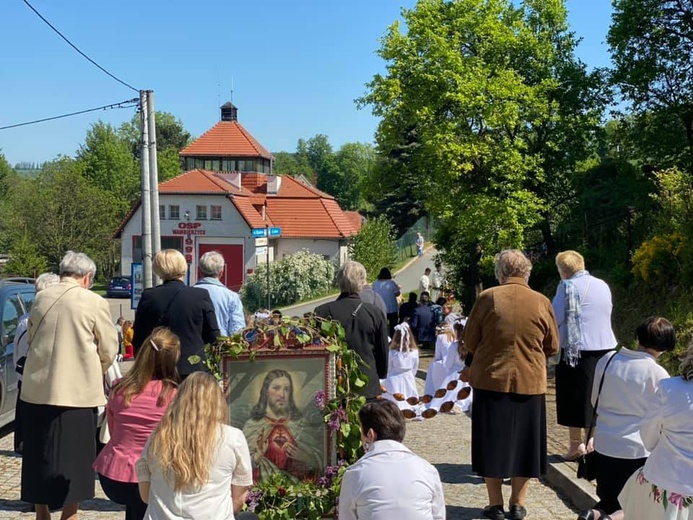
{"type": "Point", "coordinates": [227, 193]}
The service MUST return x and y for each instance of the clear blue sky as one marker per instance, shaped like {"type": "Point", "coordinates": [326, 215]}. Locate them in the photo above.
{"type": "Point", "coordinates": [297, 66]}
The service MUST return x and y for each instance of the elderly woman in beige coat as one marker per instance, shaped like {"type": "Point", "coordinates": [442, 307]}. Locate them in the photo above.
{"type": "Point", "coordinates": [509, 334]}
{"type": "Point", "coordinates": [72, 342]}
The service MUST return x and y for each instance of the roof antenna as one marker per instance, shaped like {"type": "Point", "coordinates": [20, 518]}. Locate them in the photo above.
{"type": "Point", "coordinates": [218, 88]}
{"type": "Point", "coordinates": [232, 90]}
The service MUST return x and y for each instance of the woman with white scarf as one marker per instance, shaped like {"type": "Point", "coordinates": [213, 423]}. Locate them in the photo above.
{"type": "Point", "coordinates": [583, 311]}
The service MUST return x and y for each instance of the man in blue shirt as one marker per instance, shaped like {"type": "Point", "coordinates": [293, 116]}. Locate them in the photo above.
{"type": "Point", "coordinates": [227, 304]}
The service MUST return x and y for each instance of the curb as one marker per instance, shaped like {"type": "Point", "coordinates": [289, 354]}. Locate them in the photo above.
{"type": "Point", "coordinates": [561, 476]}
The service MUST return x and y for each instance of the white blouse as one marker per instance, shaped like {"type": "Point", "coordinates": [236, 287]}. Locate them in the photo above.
{"type": "Point", "coordinates": [230, 466]}
{"type": "Point", "coordinates": [667, 431]}
{"type": "Point", "coordinates": [629, 389]}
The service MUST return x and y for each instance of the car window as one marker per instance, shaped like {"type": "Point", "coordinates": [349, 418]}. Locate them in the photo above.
{"type": "Point", "coordinates": [28, 300]}
{"type": "Point", "coordinates": [11, 312]}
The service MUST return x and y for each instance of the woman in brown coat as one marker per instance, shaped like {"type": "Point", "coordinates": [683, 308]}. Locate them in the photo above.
{"type": "Point", "coordinates": [509, 334]}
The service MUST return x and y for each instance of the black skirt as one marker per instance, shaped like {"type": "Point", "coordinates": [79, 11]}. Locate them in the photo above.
{"type": "Point", "coordinates": [508, 434]}
{"type": "Point", "coordinates": [59, 451]}
{"type": "Point", "coordinates": [574, 389]}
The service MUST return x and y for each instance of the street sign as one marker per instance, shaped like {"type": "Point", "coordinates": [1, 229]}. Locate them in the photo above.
{"type": "Point", "coordinates": [259, 232]}
{"type": "Point", "coordinates": [260, 242]}
{"type": "Point", "coordinates": [261, 251]}
{"type": "Point", "coordinates": [275, 231]}
{"type": "Point", "coordinates": [137, 285]}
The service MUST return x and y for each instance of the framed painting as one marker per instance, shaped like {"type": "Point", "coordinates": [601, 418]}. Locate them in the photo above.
{"type": "Point", "coordinates": [271, 399]}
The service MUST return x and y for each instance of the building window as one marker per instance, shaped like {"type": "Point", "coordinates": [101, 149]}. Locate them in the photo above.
{"type": "Point", "coordinates": [201, 212]}
{"type": "Point", "coordinates": [228, 165]}
{"type": "Point", "coordinates": [215, 212]}
{"type": "Point", "coordinates": [174, 212]}
{"type": "Point", "coordinates": [162, 211]}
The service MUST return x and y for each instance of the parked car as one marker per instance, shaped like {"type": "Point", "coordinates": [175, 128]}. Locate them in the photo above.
{"type": "Point", "coordinates": [16, 298]}
{"type": "Point", "coordinates": [119, 287]}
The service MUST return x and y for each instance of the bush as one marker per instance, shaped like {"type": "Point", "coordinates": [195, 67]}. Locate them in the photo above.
{"type": "Point", "coordinates": [25, 260]}
{"type": "Point", "coordinates": [298, 277]}
{"type": "Point", "coordinates": [662, 259]}
{"type": "Point", "coordinates": [374, 246]}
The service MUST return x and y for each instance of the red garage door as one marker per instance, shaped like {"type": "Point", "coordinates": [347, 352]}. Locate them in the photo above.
{"type": "Point", "coordinates": [233, 256]}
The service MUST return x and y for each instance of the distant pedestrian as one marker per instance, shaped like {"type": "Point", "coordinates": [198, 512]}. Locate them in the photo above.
{"type": "Point", "coordinates": [227, 304]}
{"type": "Point", "coordinates": [509, 334]}
{"type": "Point", "coordinates": [437, 281]}
{"type": "Point", "coordinates": [389, 481]}
{"type": "Point", "coordinates": [423, 322]}
{"type": "Point", "coordinates": [406, 309]}
{"type": "Point", "coordinates": [72, 343]}
{"type": "Point", "coordinates": [187, 311]}
{"type": "Point", "coordinates": [388, 290]}
{"type": "Point", "coordinates": [419, 244]}
{"type": "Point", "coordinates": [135, 406]}
{"type": "Point", "coordinates": [425, 282]}
{"type": "Point", "coordinates": [365, 325]}
{"type": "Point", "coordinates": [21, 349]}
{"type": "Point", "coordinates": [128, 335]}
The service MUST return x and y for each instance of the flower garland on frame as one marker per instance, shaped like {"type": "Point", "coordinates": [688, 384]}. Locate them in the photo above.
{"type": "Point", "coordinates": [278, 496]}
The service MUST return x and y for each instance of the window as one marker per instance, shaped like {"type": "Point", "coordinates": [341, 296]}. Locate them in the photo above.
{"type": "Point", "coordinates": [162, 211]}
{"type": "Point", "coordinates": [11, 312]}
{"type": "Point", "coordinates": [228, 165]}
{"type": "Point", "coordinates": [174, 212]}
{"type": "Point", "coordinates": [166, 243]}
{"type": "Point", "coordinates": [215, 212]}
{"type": "Point", "coordinates": [27, 299]}
{"type": "Point", "coordinates": [215, 165]}
{"type": "Point", "coordinates": [201, 212]}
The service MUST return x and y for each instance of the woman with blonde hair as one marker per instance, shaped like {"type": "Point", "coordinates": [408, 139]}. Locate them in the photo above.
{"type": "Point", "coordinates": [582, 305]}
{"type": "Point", "coordinates": [195, 465]}
{"type": "Point", "coordinates": [135, 407]}
{"type": "Point", "coordinates": [403, 364]}
{"type": "Point", "coordinates": [187, 311]}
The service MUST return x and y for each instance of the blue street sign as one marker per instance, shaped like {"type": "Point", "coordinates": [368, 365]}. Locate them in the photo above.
{"type": "Point", "coordinates": [275, 231]}
{"type": "Point", "coordinates": [260, 232]}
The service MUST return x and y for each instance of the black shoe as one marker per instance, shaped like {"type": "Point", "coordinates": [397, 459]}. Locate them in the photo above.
{"type": "Point", "coordinates": [494, 512]}
{"type": "Point", "coordinates": [586, 515]}
{"type": "Point", "coordinates": [517, 512]}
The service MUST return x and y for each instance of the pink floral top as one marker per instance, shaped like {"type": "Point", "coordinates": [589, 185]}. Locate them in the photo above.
{"type": "Point", "coordinates": [130, 428]}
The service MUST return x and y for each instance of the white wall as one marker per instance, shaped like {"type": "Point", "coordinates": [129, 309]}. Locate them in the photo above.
{"type": "Point", "coordinates": [329, 248]}
{"type": "Point", "coordinates": [231, 226]}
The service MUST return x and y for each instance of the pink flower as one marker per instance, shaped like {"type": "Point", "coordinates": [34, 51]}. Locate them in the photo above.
{"type": "Point", "coordinates": [677, 500]}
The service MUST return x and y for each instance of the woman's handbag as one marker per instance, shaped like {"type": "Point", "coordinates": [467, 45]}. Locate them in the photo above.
{"type": "Point", "coordinates": [587, 464]}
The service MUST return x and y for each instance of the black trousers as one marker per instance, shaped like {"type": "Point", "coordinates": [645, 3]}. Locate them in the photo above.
{"type": "Point", "coordinates": [18, 412]}
{"type": "Point", "coordinates": [126, 494]}
{"type": "Point", "coordinates": [612, 475]}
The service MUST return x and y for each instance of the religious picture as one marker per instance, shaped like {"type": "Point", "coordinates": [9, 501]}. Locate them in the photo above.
{"type": "Point", "coordinates": [272, 400]}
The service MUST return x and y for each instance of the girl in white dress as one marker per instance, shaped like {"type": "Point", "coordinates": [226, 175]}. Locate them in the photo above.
{"type": "Point", "coordinates": [442, 380]}
{"type": "Point", "coordinates": [400, 383]}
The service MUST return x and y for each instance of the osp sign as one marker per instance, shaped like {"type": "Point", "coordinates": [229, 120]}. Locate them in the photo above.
{"type": "Point", "coordinates": [189, 228]}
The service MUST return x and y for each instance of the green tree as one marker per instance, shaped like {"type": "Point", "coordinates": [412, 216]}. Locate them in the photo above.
{"type": "Point", "coordinates": [477, 82]}
{"type": "Point", "coordinates": [62, 209]}
{"type": "Point", "coordinates": [318, 151]}
{"type": "Point", "coordinates": [293, 164]}
{"type": "Point", "coordinates": [651, 43]}
{"type": "Point", "coordinates": [374, 246]}
{"type": "Point", "coordinates": [5, 171]}
{"type": "Point", "coordinates": [25, 259]}
{"type": "Point", "coordinates": [106, 162]}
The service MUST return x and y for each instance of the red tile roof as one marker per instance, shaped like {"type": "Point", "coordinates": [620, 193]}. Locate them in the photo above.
{"type": "Point", "coordinates": [299, 209]}
{"type": "Point", "coordinates": [355, 219]}
{"type": "Point", "coordinates": [226, 139]}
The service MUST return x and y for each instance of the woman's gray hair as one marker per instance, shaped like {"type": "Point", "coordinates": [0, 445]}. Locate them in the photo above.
{"type": "Point", "coordinates": [351, 277]}
{"type": "Point", "coordinates": [46, 280]}
{"type": "Point", "coordinates": [512, 263]}
{"type": "Point", "coordinates": [211, 263]}
{"type": "Point", "coordinates": [77, 265]}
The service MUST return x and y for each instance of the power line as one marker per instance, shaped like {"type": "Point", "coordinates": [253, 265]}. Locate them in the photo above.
{"type": "Point", "coordinates": [75, 48]}
{"type": "Point", "coordinates": [123, 104]}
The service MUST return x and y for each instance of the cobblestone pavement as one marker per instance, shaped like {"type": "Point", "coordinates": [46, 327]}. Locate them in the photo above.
{"type": "Point", "coordinates": [443, 440]}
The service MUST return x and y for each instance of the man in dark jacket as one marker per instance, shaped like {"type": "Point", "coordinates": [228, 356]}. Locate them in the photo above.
{"type": "Point", "coordinates": [423, 322]}
{"type": "Point", "coordinates": [364, 323]}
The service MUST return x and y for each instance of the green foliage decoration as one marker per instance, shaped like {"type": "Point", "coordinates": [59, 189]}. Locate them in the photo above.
{"type": "Point", "coordinates": [279, 497]}
{"type": "Point", "coordinates": [297, 277]}
{"type": "Point", "coordinates": [374, 246]}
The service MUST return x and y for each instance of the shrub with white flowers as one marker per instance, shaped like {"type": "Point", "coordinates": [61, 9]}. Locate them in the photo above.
{"type": "Point", "coordinates": [298, 277]}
